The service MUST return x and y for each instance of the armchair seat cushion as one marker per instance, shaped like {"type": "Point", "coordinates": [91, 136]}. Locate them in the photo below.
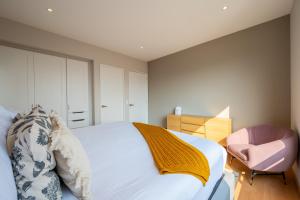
{"type": "Point", "coordinates": [240, 150]}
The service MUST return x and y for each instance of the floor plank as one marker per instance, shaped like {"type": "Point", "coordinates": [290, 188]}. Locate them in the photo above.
{"type": "Point", "coordinates": [264, 187]}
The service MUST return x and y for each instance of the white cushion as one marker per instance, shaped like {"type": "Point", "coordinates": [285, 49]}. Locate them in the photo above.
{"type": "Point", "coordinates": [7, 181]}
{"type": "Point", "coordinates": [72, 162]}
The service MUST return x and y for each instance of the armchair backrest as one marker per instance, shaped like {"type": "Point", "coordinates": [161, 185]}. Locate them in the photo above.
{"type": "Point", "coordinates": [266, 133]}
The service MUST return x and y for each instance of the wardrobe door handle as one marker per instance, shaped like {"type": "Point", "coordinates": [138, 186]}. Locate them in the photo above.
{"type": "Point", "coordinates": [77, 112]}
{"type": "Point", "coordinates": [77, 120]}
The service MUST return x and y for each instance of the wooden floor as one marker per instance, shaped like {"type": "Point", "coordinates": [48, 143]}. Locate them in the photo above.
{"type": "Point", "coordinates": [264, 187]}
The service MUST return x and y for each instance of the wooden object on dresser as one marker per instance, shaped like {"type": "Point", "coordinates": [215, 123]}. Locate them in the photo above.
{"type": "Point", "coordinates": [212, 128]}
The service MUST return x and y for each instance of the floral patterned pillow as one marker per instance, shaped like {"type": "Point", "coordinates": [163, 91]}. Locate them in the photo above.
{"type": "Point", "coordinates": [18, 121]}
{"type": "Point", "coordinates": [33, 162]}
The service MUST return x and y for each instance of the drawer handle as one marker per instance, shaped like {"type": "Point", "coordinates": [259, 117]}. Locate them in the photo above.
{"type": "Point", "coordinates": [77, 112]}
{"type": "Point", "coordinates": [77, 120]}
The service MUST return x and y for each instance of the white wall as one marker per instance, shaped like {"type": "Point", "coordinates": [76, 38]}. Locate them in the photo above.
{"type": "Point", "coordinates": [22, 36]}
{"type": "Point", "coordinates": [295, 76]}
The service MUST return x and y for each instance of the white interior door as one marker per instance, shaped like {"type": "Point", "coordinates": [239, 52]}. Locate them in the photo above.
{"type": "Point", "coordinates": [16, 79]}
{"type": "Point", "coordinates": [138, 97]}
{"type": "Point", "coordinates": [111, 94]}
{"type": "Point", "coordinates": [50, 83]}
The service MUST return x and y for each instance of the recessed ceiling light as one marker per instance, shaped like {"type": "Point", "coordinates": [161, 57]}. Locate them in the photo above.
{"type": "Point", "coordinates": [50, 10]}
{"type": "Point", "coordinates": [141, 47]}
{"type": "Point", "coordinates": [225, 7]}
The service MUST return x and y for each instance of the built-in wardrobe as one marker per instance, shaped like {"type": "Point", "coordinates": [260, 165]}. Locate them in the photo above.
{"type": "Point", "coordinates": [65, 85]}
{"type": "Point", "coordinates": [57, 83]}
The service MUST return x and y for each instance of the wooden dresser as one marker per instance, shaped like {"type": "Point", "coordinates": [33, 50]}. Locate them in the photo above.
{"type": "Point", "coordinates": [213, 128]}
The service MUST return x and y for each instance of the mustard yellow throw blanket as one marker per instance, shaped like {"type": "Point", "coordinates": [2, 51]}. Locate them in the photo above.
{"type": "Point", "coordinates": [173, 155]}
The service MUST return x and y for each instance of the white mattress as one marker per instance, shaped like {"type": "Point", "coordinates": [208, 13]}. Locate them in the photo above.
{"type": "Point", "coordinates": [123, 167]}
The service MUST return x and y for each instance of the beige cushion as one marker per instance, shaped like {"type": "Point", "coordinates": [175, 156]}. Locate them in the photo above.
{"type": "Point", "coordinates": [73, 165]}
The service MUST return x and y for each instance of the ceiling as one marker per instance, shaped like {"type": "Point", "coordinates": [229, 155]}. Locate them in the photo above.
{"type": "Point", "coordinates": [161, 27]}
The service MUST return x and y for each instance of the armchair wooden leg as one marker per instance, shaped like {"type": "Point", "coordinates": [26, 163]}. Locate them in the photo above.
{"type": "Point", "coordinates": [283, 176]}
{"type": "Point", "coordinates": [231, 159]}
{"type": "Point", "coordinates": [253, 173]}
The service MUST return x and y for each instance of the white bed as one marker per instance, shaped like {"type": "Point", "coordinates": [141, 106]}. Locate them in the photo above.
{"type": "Point", "coordinates": [123, 167]}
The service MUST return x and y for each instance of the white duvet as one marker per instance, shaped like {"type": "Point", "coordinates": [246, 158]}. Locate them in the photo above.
{"type": "Point", "coordinates": [123, 167]}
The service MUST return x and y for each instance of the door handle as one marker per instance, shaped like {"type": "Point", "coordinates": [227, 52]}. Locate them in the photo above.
{"type": "Point", "coordinates": [103, 106]}
{"type": "Point", "coordinates": [131, 105]}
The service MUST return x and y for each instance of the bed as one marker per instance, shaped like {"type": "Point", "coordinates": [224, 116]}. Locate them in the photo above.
{"type": "Point", "coordinates": [123, 167]}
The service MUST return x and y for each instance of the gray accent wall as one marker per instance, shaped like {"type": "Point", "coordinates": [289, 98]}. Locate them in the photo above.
{"type": "Point", "coordinates": [247, 73]}
{"type": "Point", "coordinates": [295, 77]}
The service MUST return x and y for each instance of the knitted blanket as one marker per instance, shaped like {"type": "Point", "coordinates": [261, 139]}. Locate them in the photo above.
{"type": "Point", "coordinates": [173, 155]}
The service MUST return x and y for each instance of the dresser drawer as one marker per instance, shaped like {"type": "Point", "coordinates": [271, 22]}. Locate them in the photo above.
{"type": "Point", "coordinates": [77, 119]}
{"type": "Point", "coordinates": [193, 128]}
{"type": "Point", "coordinates": [78, 115]}
{"type": "Point", "coordinates": [173, 122]}
{"type": "Point", "coordinates": [192, 120]}
{"type": "Point", "coordinates": [174, 128]}
{"type": "Point", "coordinates": [78, 123]}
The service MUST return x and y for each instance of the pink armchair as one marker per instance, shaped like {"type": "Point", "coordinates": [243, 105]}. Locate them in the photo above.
{"type": "Point", "coordinates": [264, 148]}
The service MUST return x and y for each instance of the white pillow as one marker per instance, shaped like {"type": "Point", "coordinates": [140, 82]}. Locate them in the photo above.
{"type": "Point", "coordinates": [72, 163]}
{"type": "Point", "coordinates": [7, 181]}
{"type": "Point", "coordinates": [6, 113]}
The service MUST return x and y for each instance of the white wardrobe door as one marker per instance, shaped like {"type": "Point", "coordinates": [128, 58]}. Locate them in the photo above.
{"type": "Point", "coordinates": [77, 85]}
{"type": "Point", "coordinates": [16, 79]}
{"type": "Point", "coordinates": [112, 94]}
{"type": "Point", "coordinates": [138, 97]}
{"type": "Point", "coordinates": [50, 83]}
